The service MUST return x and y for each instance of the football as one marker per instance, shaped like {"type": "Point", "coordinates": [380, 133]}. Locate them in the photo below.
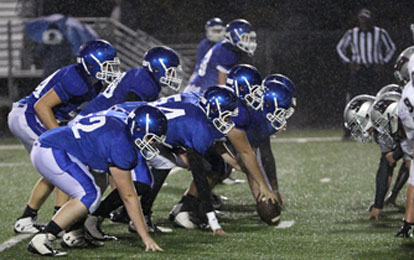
{"type": "Point", "coordinates": [268, 212]}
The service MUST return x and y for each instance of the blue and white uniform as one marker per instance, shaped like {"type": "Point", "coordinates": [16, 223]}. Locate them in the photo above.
{"type": "Point", "coordinates": [99, 141]}
{"type": "Point", "coordinates": [254, 123]}
{"type": "Point", "coordinates": [74, 88]}
{"type": "Point", "coordinates": [188, 126]}
{"type": "Point", "coordinates": [221, 57]}
{"type": "Point", "coordinates": [202, 49]}
{"type": "Point", "coordinates": [136, 80]}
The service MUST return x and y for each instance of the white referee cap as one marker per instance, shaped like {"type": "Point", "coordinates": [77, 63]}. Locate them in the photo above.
{"type": "Point", "coordinates": [364, 13]}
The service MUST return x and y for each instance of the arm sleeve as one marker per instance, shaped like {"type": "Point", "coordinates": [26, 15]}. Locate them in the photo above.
{"type": "Point", "coordinates": [343, 44]}
{"type": "Point", "coordinates": [122, 154]}
{"type": "Point", "coordinates": [200, 179]}
{"type": "Point", "coordinates": [381, 181]}
{"type": "Point", "coordinates": [226, 60]}
{"type": "Point", "coordinates": [269, 164]}
{"type": "Point", "coordinates": [389, 45]}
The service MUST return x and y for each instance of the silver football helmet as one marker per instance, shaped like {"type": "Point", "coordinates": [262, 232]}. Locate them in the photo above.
{"type": "Point", "coordinates": [384, 116]}
{"type": "Point", "coordinates": [401, 66]}
{"type": "Point", "coordinates": [356, 117]}
{"type": "Point", "coordinates": [389, 88]}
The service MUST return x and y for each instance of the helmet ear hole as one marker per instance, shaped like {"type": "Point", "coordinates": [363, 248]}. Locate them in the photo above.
{"type": "Point", "coordinates": [156, 70]}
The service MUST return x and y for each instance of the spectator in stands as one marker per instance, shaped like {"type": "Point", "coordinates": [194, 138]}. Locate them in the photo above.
{"type": "Point", "coordinates": [54, 52]}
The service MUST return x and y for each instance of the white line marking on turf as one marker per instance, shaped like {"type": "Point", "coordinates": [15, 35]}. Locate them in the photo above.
{"type": "Point", "coordinates": [274, 140]}
{"type": "Point", "coordinates": [325, 180]}
{"type": "Point", "coordinates": [11, 147]}
{"type": "Point", "coordinates": [13, 241]}
{"type": "Point", "coordinates": [13, 164]}
{"type": "Point", "coordinates": [306, 139]}
{"type": "Point", "coordinates": [285, 224]}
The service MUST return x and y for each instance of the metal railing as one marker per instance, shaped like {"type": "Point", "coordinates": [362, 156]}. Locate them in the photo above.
{"type": "Point", "coordinates": [131, 47]}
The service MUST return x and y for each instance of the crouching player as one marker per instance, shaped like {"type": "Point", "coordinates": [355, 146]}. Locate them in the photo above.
{"type": "Point", "coordinates": [254, 125]}
{"type": "Point", "coordinates": [103, 142]}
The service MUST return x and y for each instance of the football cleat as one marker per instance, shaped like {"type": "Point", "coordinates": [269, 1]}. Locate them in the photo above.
{"type": "Point", "coordinates": [405, 230]}
{"type": "Point", "coordinates": [151, 227]}
{"type": "Point", "coordinates": [231, 180]}
{"type": "Point", "coordinates": [28, 226]}
{"type": "Point", "coordinates": [119, 216]}
{"type": "Point", "coordinates": [74, 239]}
{"type": "Point", "coordinates": [185, 219]}
{"type": "Point", "coordinates": [94, 230]}
{"type": "Point", "coordinates": [41, 244]}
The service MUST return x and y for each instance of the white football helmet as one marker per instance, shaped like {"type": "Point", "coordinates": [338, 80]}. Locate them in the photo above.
{"type": "Point", "coordinates": [356, 117]}
{"type": "Point", "coordinates": [384, 116]}
{"type": "Point", "coordinates": [389, 88]}
{"type": "Point", "coordinates": [401, 66]}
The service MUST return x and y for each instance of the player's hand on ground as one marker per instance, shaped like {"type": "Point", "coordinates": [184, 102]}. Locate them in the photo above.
{"type": "Point", "coordinates": [151, 245]}
{"type": "Point", "coordinates": [375, 214]}
{"type": "Point", "coordinates": [219, 232]}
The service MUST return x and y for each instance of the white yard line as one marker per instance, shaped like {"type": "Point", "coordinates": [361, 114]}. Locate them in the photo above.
{"type": "Point", "coordinates": [13, 164]}
{"type": "Point", "coordinates": [285, 224]}
{"type": "Point", "coordinates": [11, 147]}
{"type": "Point", "coordinates": [274, 140]}
{"type": "Point", "coordinates": [13, 241]}
{"type": "Point", "coordinates": [307, 139]}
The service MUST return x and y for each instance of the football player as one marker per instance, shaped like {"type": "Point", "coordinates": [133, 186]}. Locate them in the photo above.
{"type": "Point", "coordinates": [209, 118]}
{"type": "Point", "coordinates": [102, 141]}
{"type": "Point", "coordinates": [239, 38]}
{"type": "Point", "coordinates": [55, 101]}
{"type": "Point", "coordinates": [406, 113]}
{"type": "Point", "coordinates": [393, 144]}
{"type": "Point", "coordinates": [215, 29]}
{"type": "Point", "coordinates": [160, 68]}
{"type": "Point", "coordinates": [253, 127]}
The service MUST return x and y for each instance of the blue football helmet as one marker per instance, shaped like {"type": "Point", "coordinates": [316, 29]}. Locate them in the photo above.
{"type": "Point", "coordinates": [240, 33]}
{"type": "Point", "coordinates": [164, 64]}
{"type": "Point", "coordinates": [215, 29]}
{"type": "Point", "coordinates": [246, 82]}
{"type": "Point", "coordinates": [219, 104]}
{"type": "Point", "coordinates": [289, 85]}
{"type": "Point", "coordinates": [277, 101]}
{"type": "Point", "coordinates": [148, 125]}
{"type": "Point", "coordinates": [99, 59]}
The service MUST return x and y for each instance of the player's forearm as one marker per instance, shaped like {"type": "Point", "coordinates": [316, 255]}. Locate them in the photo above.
{"type": "Point", "coordinates": [46, 115]}
{"type": "Point", "coordinates": [250, 162]}
{"type": "Point", "coordinates": [133, 207]}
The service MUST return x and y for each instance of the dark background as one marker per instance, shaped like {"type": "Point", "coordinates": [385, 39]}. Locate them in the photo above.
{"type": "Point", "coordinates": [297, 38]}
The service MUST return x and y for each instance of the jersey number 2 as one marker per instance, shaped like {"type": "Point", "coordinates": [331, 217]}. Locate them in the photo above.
{"type": "Point", "coordinates": [96, 122]}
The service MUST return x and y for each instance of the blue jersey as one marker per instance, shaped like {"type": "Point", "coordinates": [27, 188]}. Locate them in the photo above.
{"type": "Point", "coordinates": [222, 57]}
{"type": "Point", "coordinates": [74, 88]}
{"type": "Point", "coordinates": [136, 80]}
{"type": "Point", "coordinates": [100, 140]}
{"type": "Point", "coordinates": [204, 46]}
{"type": "Point", "coordinates": [253, 122]}
{"type": "Point", "coordinates": [188, 126]}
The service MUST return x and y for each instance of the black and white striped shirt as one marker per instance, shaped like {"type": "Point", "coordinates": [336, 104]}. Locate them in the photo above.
{"type": "Point", "coordinates": [368, 47]}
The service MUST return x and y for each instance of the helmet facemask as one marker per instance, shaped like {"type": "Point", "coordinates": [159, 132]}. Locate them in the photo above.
{"type": "Point", "coordinates": [278, 117]}
{"type": "Point", "coordinates": [215, 33]}
{"type": "Point", "coordinates": [255, 97]}
{"type": "Point", "coordinates": [246, 42]}
{"type": "Point", "coordinates": [146, 144]}
{"type": "Point", "coordinates": [109, 70]}
{"type": "Point", "coordinates": [222, 122]}
{"type": "Point", "coordinates": [357, 127]}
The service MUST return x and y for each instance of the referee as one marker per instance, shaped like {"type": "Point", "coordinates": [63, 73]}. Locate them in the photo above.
{"type": "Point", "coordinates": [365, 49]}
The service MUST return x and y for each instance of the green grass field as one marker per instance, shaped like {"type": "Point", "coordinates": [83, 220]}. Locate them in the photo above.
{"type": "Point", "coordinates": [330, 218]}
